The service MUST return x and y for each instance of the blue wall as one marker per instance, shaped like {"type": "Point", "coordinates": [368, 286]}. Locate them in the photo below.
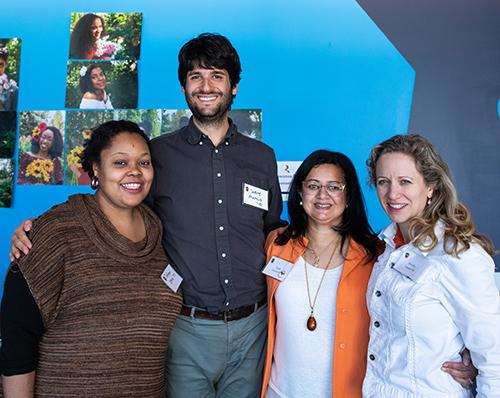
{"type": "Point", "coordinates": [322, 72]}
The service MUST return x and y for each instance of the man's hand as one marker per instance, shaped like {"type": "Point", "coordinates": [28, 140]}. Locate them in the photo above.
{"type": "Point", "coordinates": [462, 372]}
{"type": "Point", "coordinates": [19, 243]}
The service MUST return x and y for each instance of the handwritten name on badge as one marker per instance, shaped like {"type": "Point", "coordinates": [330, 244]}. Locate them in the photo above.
{"type": "Point", "coordinates": [171, 278]}
{"type": "Point", "coordinates": [277, 268]}
{"type": "Point", "coordinates": [255, 196]}
{"type": "Point", "coordinates": [411, 266]}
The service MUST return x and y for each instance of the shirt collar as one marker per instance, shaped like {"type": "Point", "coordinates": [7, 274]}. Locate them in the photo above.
{"type": "Point", "coordinates": [388, 234]}
{"type": "Point", "coordinates": [194, 135]}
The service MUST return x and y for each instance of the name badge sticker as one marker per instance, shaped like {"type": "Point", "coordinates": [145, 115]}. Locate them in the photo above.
{"type": "Point", "coordinates": [412, 266]}
{"type": "Point", "coordinates": [255, 196]}
{"type": "Point", "coordinates": [277, 268]}
{"type": "Point", "coordinates": [171, 278]}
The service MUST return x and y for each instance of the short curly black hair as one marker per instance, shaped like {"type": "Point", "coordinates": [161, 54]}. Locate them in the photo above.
{"type": "Point", "coordinates": [101, 139]}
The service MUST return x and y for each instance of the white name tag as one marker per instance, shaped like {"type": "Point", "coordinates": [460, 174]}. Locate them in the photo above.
{"type": "Point", "coordinates": [255, 196]}
{"type": "Point", "coordinates": [277, 268]}
{"type": "Point", "coordinates": [171, 278]}
{"type": "Point", "coordinates": [411, 266]}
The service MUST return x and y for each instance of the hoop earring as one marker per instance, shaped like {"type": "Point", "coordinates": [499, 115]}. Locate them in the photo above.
{"type": "Point", "coordinates": [94, 183]}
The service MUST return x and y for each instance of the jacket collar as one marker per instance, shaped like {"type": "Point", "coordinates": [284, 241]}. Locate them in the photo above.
{"type": "Point", "coordinates": [388, 233]}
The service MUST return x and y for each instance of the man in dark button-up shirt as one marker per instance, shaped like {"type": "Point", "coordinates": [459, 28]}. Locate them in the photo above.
{"type": "Point", "coordinates": [217, 194]}
{"type": "Point", "coordinates": [214, 233]}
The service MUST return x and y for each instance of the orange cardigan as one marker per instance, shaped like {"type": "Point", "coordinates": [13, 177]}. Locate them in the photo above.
{"type": "Point", "coordinates": [352, 320]}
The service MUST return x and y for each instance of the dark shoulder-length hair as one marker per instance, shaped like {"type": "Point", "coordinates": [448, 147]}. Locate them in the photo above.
{"type": "Point", "coordinates": [81, 41]}
{"type": "Point", "coordinates": [86, 85]}
{"type": "Point", "coordinates": [57, 143]}
{"type": "Point", "coordinates": [354, 223]}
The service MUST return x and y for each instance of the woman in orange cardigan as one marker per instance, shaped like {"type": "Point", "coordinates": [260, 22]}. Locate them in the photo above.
{"type": "Point", "coordinates": [319, 266]}
{"type": "Point", "coordinates": [319, 348]}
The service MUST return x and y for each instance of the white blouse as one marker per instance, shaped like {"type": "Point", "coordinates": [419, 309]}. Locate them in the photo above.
{"type": "Point", "coordinates": [88, 103]}
{"type": "Point", "coordinates": [425, 307]}
{"type": "Point", "coordinates": [303, 359]}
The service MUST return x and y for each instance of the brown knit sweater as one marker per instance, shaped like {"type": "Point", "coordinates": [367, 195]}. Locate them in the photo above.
{"type": "Point", "coordinates": [107, 314]}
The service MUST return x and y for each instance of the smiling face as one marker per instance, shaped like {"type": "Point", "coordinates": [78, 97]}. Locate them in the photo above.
{"type": "Point", "coordinates": [46, 140]}
{"type": "Point", "coordinates": [125, 172]}
{"type": "Point", "coordinates": [98, 79]}
{"type": "Point", "coordinates": [96, 29]}
{"type": "Point", "coordinates": [401, 189]}
{"type": "Point", "coordinates": [209, 94]}
{"type": "Point", "coordinates": [322, 198]}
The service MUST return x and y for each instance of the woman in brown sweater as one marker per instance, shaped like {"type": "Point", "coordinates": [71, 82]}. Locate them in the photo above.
{"type": "Point", "coordinates": [85, 313]}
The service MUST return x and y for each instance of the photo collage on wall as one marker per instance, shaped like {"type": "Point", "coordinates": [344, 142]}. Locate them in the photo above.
{"type": "Point", "coordinates": [10, 55]}
{"type": "Point", "coordinates": [103, 60]}
{"type": "Point", "coordinates": [50, 141]}
{"type": "Point", "coordinates": [101, 85]}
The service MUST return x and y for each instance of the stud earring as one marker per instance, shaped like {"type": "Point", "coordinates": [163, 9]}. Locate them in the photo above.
{"type": "Point", "coordinates": [300, 203]}
{"type": "Point", "coordinates": [428, 201]}
{"type": "Point", "coordinates": [94, 183]}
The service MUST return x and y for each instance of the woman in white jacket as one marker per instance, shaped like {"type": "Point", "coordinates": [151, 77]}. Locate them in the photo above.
{"type": "Point", "coordinates": [432, 292]}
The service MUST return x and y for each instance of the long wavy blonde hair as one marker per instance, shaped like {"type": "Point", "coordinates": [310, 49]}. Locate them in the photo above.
{"type": "Point", "coordinates": [460, 230]}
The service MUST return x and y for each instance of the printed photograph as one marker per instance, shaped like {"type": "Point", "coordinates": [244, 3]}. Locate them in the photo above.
{"type": "Point", "coordinates": [10, 54]}
{"type": "Point", "coordinates": [105, 36]}
{"type": "Point", "coordinates": [6, 181]}
{"type": "Point", "coordinates": [41, 144]}
{"type": "Point", "coordinates": [102, 85]}
{"type": "Point", "coordinates": [79, 126]}
{"type": "Point", "coordinates": [8, 124]}
{"type": "Point", "coordinates": [248, 121]}
{"type": "Point", "coordinates": [149, 120]}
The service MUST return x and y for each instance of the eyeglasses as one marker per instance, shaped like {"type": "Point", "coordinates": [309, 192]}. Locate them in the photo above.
{"type": "Point", "coordinates": [312, 187]}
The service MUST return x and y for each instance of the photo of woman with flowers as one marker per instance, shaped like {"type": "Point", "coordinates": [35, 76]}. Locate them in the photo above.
{"type": "Point", "coordinates": [101, 85]}
{"type": "Point", "coordinates": [6, 181]}
{"type": "Point", "coordinates": [105, 36]}
{"type": "Point", "coordinates": [40, 148]}
{"type": "Point", "coordinates": [79, 126]}
{"type": "Point", "coordinates": [9, 73]}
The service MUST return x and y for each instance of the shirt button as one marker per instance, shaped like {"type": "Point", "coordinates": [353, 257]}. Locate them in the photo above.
{"type": "Point", "coordinates": [226, 281]}
{"type": "Point", "coordinates": [342, 346]}
{"type": "Point", "coordinates": [216, 151]}
{"type": "Point", "coordinates": [227, 142]}
{"type": "Point", "coordinates": [221, 228]}
{"type": "Point", "coordinates": [407, 255]}
{"type": "Point", "coordinates": [392, 265]}
{"type": "Point", "coordinates": [219, 174]}
{"type": "Point", "coordinates": [201, 143]}
{"type": "Point", "coordinates": [376, 324]}
{"type": "Point", "coordinates": [372, 357]}
{"type": "Point", "coordinates": [223, 255]}
{"type": "Point", "coordinates": [227, 303]}
{"type": "Point", "coordinates": [219, 201]}
{"type": "Point", "coordinates": [344, 310]}
{"type": "Point", "coordinates": [378, 293]}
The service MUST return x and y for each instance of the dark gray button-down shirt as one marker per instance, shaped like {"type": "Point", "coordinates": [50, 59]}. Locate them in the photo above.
{"type": "Point", "coordinates": [213, 240]}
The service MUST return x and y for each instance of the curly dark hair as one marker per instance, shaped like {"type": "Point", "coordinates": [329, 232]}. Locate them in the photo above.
{"type": "Point", "coordinates": [57, 143]}
{"type": "Point", "coordinates": [209, 50]}
{"type": "Point", "coordinates": [354, 223]}
{"type": "Point", "coordinates": [102, 137]}
{"type": "Point", "coordinates": [86, 81]}
{"type": "Point", "coordinates": [82, 40]}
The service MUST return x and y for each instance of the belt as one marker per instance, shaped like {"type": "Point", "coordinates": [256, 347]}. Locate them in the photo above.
{"type": "Point", "coordinates": [226, 316]}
